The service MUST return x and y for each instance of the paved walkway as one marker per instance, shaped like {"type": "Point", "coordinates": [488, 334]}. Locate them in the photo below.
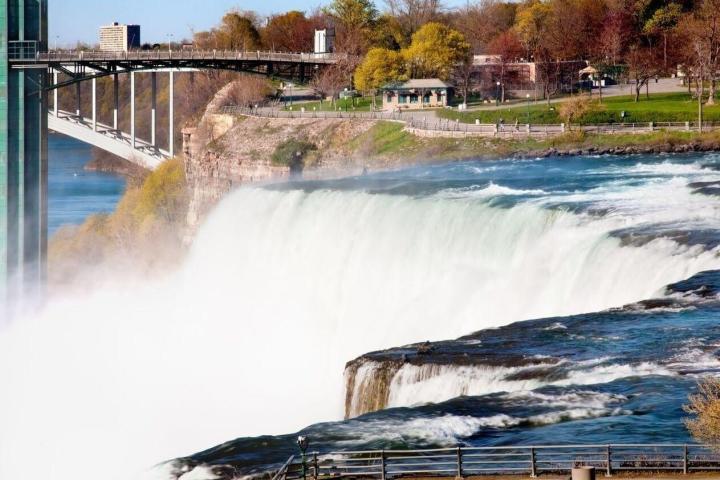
{"type": "Point", "coordinates": [598, 474]}
{"type": "Point", "coordinates": [663, 85]}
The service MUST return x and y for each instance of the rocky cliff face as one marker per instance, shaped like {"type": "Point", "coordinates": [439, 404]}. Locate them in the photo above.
{"type": "Point", "coordinates": [432, 373]}
{"type": "Point", "coordinates": [367, 385]}
{"type": "Point", "coordinates": [224, 151]}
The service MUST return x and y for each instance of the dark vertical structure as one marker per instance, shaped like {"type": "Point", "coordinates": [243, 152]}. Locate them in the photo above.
{"type": "Point", "coordinates": [23, 152]}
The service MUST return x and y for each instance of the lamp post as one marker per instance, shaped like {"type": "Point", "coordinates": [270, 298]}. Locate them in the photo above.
{"type": "Point", "coordinates": [170, 37]}
{"type": "Point", "coordinates": [497, 94]}
{"type": "Point", "coordinates": [302, 442]}
{"type": "Point", "coordinates": [527, 96]}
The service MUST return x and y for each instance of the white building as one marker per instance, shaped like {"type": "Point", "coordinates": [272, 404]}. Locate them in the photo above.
{"type": "Point", "coordinates": [324, 40]}
{"type": "Point", "coordinates": [119, 38]}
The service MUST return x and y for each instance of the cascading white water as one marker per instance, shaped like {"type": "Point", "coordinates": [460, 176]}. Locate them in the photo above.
{"type": "Point", "coordinates": [280, 289]}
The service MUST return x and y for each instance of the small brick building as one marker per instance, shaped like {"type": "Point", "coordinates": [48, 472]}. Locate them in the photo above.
{"type": "Point", "coordinates": [416, 93]}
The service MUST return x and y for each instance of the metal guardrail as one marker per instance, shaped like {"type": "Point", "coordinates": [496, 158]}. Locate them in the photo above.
{"type": "Point", "coordinates": [462, 462]}
{"type": "Point", "coordinates": [149, 55]}
{"type": "Point", "coordinates": [456, 128]}
{"type": "Point", "coordinates": [276, 112]}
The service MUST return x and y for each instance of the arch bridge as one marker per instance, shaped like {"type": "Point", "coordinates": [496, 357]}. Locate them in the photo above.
{"type": "Point", "coordinates": [83, 66]}
{"type": "Point", "coordinates": [29, 73]}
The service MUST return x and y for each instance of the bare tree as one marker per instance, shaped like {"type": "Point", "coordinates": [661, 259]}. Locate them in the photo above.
{"type": "Point", "coordinates": [331, 81]}
{"type": "Point", "coordinates": [702, 29]}
{"type": "Point", "coordinates": [248, 91]}
{"type": "Point", "coordinates": [507, 48]}
{"type": "Point", "coordinates": [464, 77]}
{"type": "Point", "coordinates": [643, 65]}
{"type": "Point", "coordinates": [412, 14]}
{"type": "Point", "coordinates": [548, 74]}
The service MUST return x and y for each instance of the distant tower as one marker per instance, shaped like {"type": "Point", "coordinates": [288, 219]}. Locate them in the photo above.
{"type": "Point", "coordinates": [23, 151]}
{"type": "Point", "coordinates": [324, 40]}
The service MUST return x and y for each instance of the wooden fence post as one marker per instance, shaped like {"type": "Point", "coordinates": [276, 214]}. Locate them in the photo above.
{"type": "Point", "coordinates": [315, 466]}
{"type": "Point", "coordinates": [685, 459]}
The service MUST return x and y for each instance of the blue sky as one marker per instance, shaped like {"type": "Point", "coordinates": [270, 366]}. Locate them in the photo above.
{"type": "Point", "coordinates": [78, 20]}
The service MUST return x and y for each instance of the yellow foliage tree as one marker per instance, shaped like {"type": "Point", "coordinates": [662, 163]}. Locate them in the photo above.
{"type": "Point", "coordinates": [146, 228]}
{"type": "Point", "coordinates": [380, 67]}
{"type": "Point", "coordinates": [435, 51]}
{"type": "Point", "coordinates": [531, 23]}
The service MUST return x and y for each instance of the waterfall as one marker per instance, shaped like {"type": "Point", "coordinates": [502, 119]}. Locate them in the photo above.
{"type": "Point", "coordinates": [280, 289]}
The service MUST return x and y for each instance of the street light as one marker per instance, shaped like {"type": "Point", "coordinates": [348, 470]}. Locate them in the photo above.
{"type": "Point", "coordinates": [497, 94]}
{"type": "Point", "coordinates": [527, 96]}
{"type": "Point", "coordinates": [170, 37]}
{"type": "Point", "coordinates": [303, 442]}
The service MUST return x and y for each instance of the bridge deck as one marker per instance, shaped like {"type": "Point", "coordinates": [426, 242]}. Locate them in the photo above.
{"type": "Point", "coordinates": [80, 66]}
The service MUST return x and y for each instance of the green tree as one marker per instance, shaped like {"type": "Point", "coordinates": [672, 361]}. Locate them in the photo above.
{"type": "Point", "coordinates": [662, 22]}
{"type": "Point", "coordinates": [435, 50]}
{"type": "Point", "coordinates": [387, 33]}
{"type": "Point", "coordinates": [359, 14]}
{"type": "Point", "coordinates": [354, 21]}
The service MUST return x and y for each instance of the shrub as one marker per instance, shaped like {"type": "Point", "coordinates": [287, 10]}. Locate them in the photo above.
{"type": "Point", "coordinates": [291, 153]}
{"type": "Point", "coordinates": [145, 230]}
{"type": "Point", "coordinates": [704, 406]}
{"type": "Point", "coordinates": [572, 110]}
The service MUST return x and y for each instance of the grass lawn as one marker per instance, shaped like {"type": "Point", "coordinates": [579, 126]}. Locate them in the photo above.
{"type": "Point", "coordinates": [660, 107]}
{"type": "Point", "coordinates": [362, 104]}
{"type": "Point", "coordinates": [385, 138]}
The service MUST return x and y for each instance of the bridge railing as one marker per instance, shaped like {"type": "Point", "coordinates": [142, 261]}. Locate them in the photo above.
{"type": "Point", "coordinates": [462, 462]}
{"type": "Point", "coordinates": [149, 55]}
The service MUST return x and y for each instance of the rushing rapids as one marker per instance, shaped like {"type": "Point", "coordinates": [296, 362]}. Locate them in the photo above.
{"type": "Point", "coordinates": [285, 284]}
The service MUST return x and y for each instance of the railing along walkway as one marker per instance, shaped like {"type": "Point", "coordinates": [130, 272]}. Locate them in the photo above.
{"type": "Point", "coordinates": [520, 460]}
{"type": "Point", "coordinates": [29, 54]}
{"type": "Point", "coordinates": [424, 126]}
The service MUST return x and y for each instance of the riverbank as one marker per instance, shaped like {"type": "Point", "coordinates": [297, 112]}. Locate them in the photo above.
{"type": "Point", "coordinates": [226, 150]}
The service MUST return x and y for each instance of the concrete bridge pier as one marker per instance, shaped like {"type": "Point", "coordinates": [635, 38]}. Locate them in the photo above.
{"type": "Point", "coordinates": [56, 107]}
{"type": "Point", "coordinates": [116, 97]}
{"type": "Point", "coordinates": [171, 114]}
{"type": "Point", "coordinates": [78, 100]}
{"type": "Point", "coordinates": [94, 104]}
{"type": "Point", "coordinates": [132, 109]}
{"type": "Point", "coordinates": [153, 109]}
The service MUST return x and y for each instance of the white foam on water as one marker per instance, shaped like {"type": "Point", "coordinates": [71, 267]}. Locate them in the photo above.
{"type": "Point", "coordinates": [451, 429]}
{"type": "Point", "coordinates": [280, 290]}
{"type": "Point", "coordinates": [421, 384]}
{"type": "Point", "coordinates": [491, 190]}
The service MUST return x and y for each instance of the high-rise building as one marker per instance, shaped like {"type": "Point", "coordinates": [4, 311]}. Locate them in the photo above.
{"type": "Point", "coordinates": [119, 38]}
{"type": "Point", "coordinates": [23, 151]}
